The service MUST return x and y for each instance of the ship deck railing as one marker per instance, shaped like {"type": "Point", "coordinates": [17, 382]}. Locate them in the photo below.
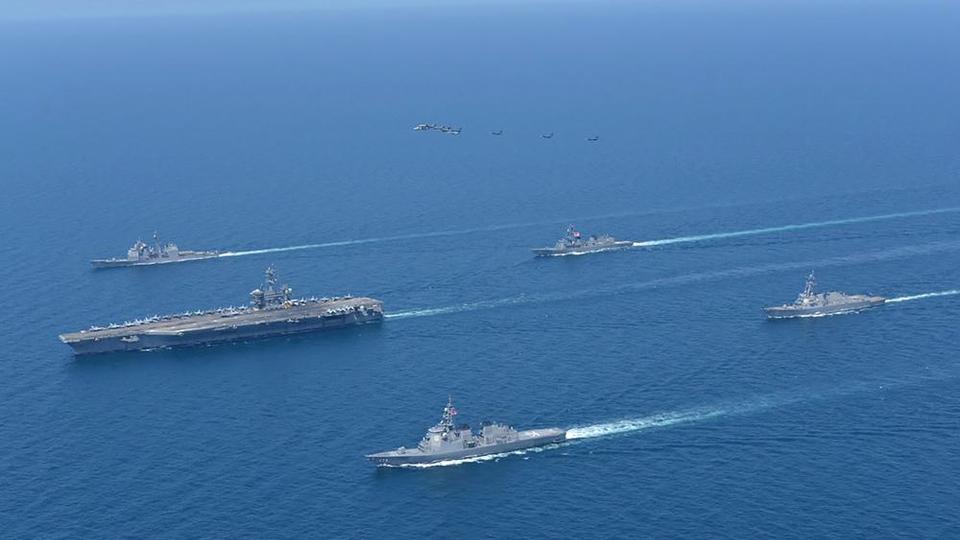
{"type": "Point", "coordinates": [232, 311]}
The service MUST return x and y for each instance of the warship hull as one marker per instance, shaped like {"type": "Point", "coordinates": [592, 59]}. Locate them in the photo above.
{"type": "Point", "coordinates": [791, 311]}
{"type": "Point", "coordinates": [216, 327]}
{"type": "Point", "coordinates": [414, 456]}
{"type": "Point", "coordinates": [580, 250]}
{"type": "Point", "coordinates": [183, 257]}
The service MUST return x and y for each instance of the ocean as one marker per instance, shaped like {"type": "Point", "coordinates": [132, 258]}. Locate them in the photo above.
{"type": "Point", "coordinates": [741, 146]}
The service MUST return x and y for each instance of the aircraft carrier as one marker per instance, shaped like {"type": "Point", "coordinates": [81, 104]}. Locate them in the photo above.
{"type": "Point", "coordinates": [272, 312]}
{"type": "Point", "coordinates": [574, 244]}
{"type": "Point", "coordinates": [447, 441]}
{"type": "Point", "coordinates": [811, 304]}
{"type": "Point", "coordinates": [143, 254]}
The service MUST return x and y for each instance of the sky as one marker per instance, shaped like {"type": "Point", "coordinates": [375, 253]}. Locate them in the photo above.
{"type": "Point", "coordinates": [60, 9]}
{"type": "Point", "coordinates": [19, 10]}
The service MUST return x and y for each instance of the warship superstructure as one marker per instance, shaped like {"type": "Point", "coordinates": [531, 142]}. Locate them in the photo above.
{"type": "Point", "coordinates": [449, 441]}
{"type": "Point", "coordinates": [143, 254]}
{"type": "Point", "coordinates": [575, 244]}
{"type": "Point", "coordinates": [811, 304]}
{"type": "Point", "coordinates": [272, 312]}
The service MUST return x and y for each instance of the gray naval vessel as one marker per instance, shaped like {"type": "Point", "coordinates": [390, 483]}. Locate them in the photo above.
{"type": "Point", "coordinates": [448, 441]}
{"type": "Point", "coordinates": [143, 254]}
{"type": "Point", "coordinates": [810, 304]}
{"type": "Point", "coordinates": [272, 312]}
{"type": "Point", "coordinates": [437, 127]}
{"type": "Point", "coordinates": [574, 244]}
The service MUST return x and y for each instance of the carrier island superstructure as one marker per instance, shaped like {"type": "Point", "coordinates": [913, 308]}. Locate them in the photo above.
{"type": "Point", "coordinates": [272, 312]}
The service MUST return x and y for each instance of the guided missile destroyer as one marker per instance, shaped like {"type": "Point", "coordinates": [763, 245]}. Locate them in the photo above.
{"type": "Point", "coordinates": [574, 244]}
{"type": "Point", "coordinates": [272, 312]}
{"type": "Point", "coordinates": [448, 441]}
{"type": "Point", "coordinates": [143, 254]}
{"type": "Point", "coordinates": [811, 304]}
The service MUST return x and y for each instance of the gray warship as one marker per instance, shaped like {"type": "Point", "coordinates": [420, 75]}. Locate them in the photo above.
{"type": "Point", "coordinates": [448, 441]}
{"type": "Point", "coordinates": [574, 244]}
{"type": "Point", "coordinates": [811, 304]}
{"type": "Point", "coordinates": [143, 254]}
{"type": "Point", "coordinates": [272, 312]}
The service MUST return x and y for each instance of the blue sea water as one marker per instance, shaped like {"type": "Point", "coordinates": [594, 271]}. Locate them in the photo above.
{"type": "Point", "coordinates": [823, 136]}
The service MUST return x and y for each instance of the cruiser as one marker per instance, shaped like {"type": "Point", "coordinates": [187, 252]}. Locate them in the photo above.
{"type": "Point", "coordinates": [448, 441]}
{"type": "Point", "coordinates": [272, 312]}
{"type": "Point", "coordinates": [574, 244]}
{"type": "Point", "coordinates": [811, 304]}
{"type": "Point", "coordinates": [143, 254]}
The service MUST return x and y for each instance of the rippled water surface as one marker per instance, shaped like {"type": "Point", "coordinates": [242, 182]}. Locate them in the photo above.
{"type": "Point", "coordinates": [736, 150]}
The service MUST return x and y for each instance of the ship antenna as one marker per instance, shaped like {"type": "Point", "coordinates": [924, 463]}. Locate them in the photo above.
{"type": "Point", "coordinates": [271, 275]}
{"type": "Point", "coordinates": [810, 285]}
{"type": "Point", "coordinates": [449, 412]}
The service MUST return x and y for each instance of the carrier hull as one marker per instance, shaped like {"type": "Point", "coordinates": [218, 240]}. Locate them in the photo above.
{"type": "Point", "coordinates": [216, 327]}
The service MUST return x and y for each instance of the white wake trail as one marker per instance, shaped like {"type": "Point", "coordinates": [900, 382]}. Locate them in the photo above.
{"type": "Point", "coordinates": [951, 292]}
{"type": "Point", "coordinates": [752, 405]}
{"type": "Point", "coordinates": [327, 244]}
{"type": "Point", "coordinates": [629, 425]}
{"type": "Point", "coordinates": [687, 279]}
{"type": "Point", "coordinates": [270, 250]}
{"type": "Point", "coordinates": [645, 422]}
{"type": "Point", "coordinates": [382, 239]}
{"type": "Point", "coordinates": [460, 308]}
{"type": "Point", "coordinates": [648, 243]}
{"type": "Point", "coordinates": [791, 227]}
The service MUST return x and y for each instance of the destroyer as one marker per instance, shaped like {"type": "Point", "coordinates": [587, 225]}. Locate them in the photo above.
{"type": "Point", "coordinates": [810, 304]}
{"type": "Point", "coordinates": [448, 441]}
{"type": "Point", "coordinates": [574, 244]}
{"type": "Point", "coordinates": [271, 312]}
{"type": "Point", "coordinates": [143, 254]}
